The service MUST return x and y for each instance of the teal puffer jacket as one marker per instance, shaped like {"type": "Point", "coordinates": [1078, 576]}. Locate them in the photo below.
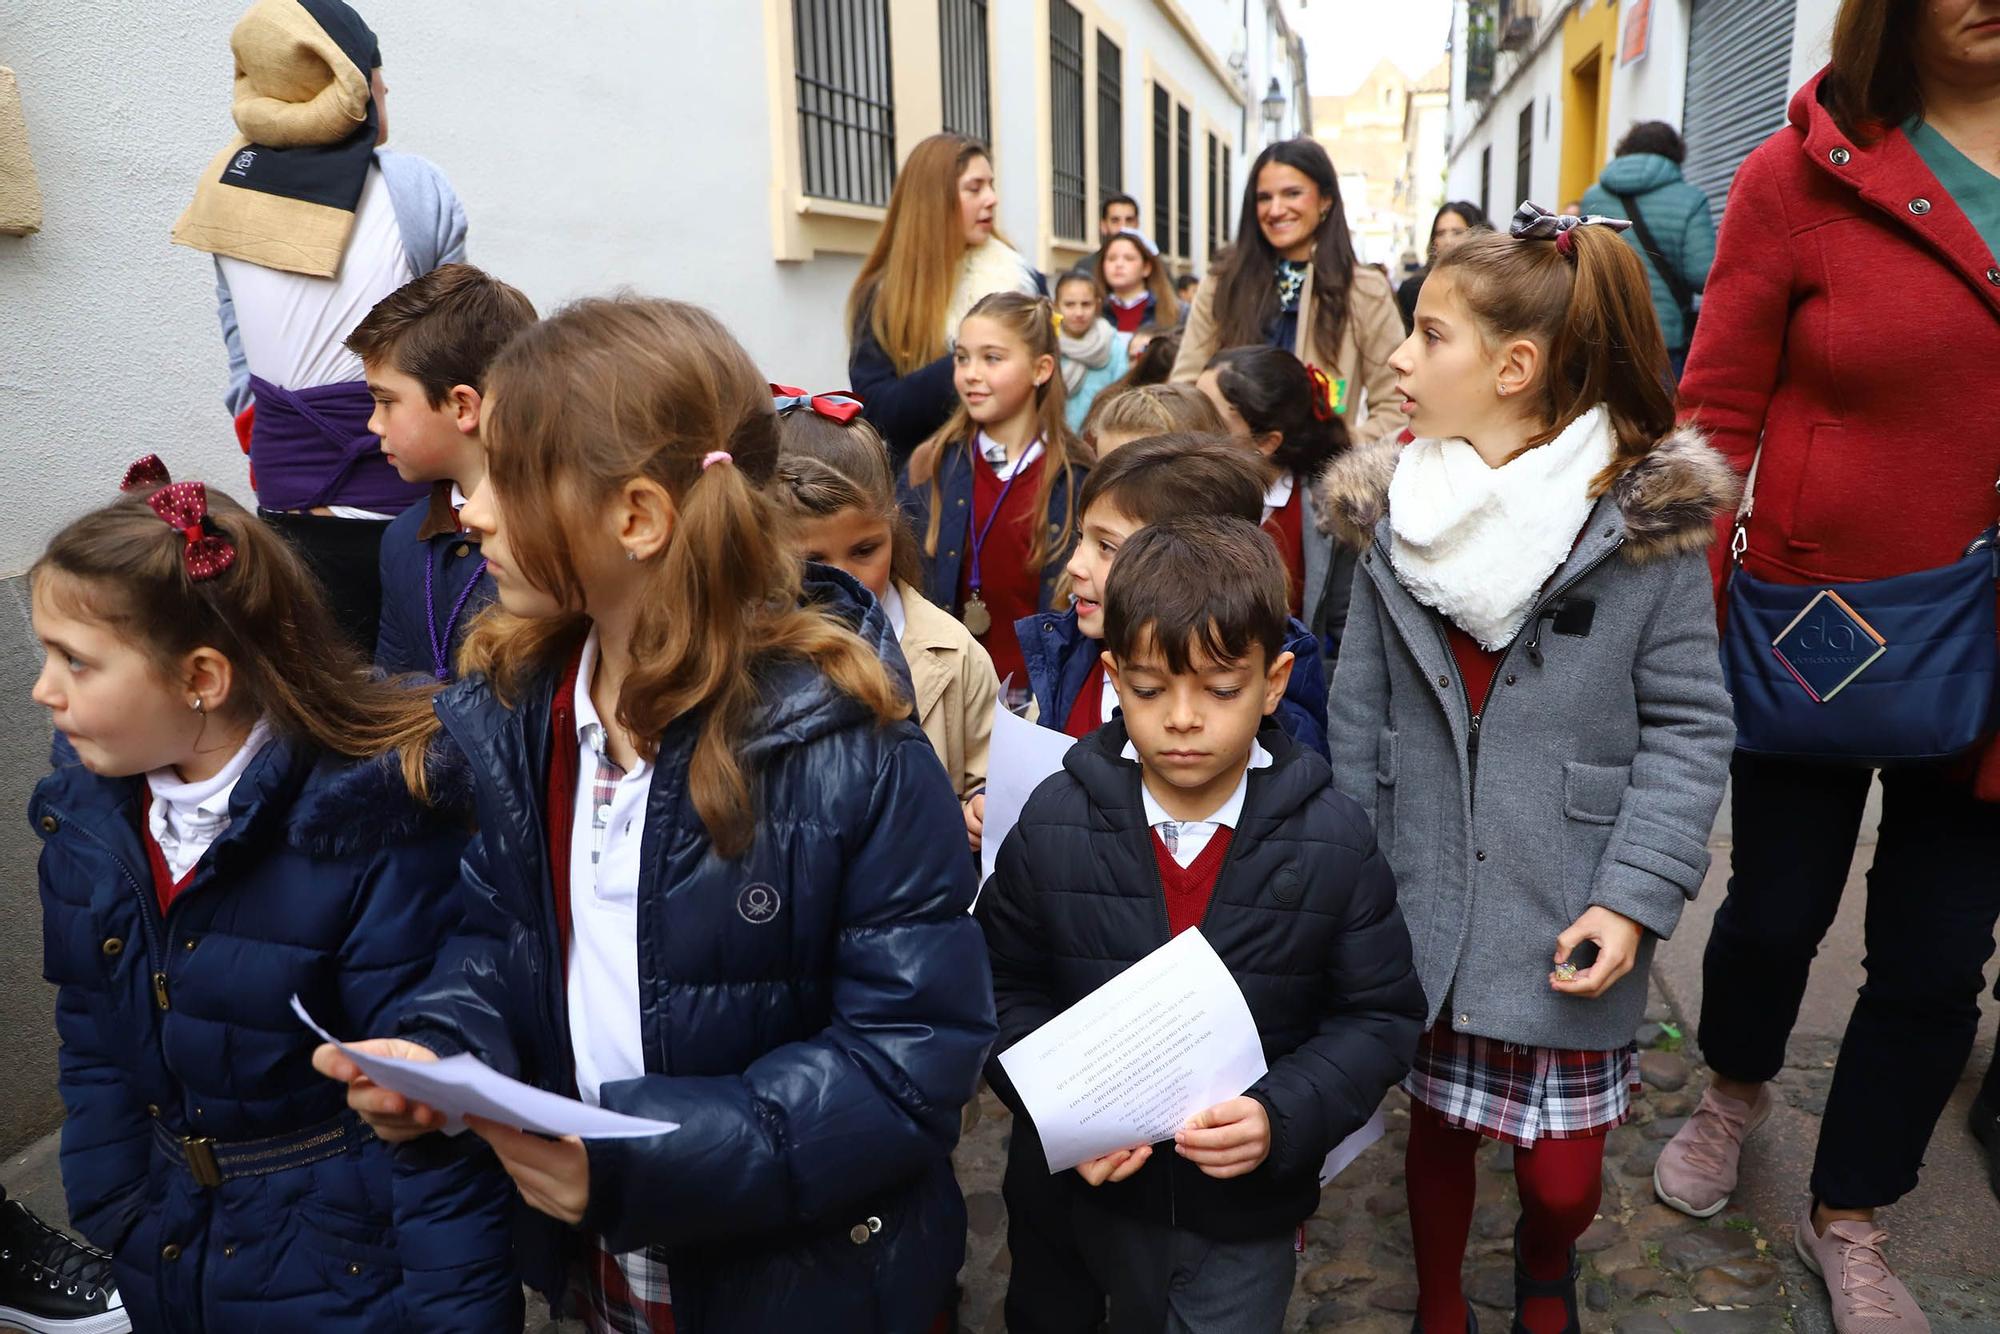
{"type": "Point", "coordinates": [1678, 215]}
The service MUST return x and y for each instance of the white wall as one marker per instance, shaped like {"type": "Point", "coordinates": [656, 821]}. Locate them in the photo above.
{"type": "Point", "coordinates": [1812, 38]}
{"type": "Point", "coordinates": [1540, 83]}
{"type": "Point", "coordinates": [1654, 88]}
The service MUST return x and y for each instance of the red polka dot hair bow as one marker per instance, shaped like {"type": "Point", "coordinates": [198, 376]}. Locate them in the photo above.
{"type": "Point", "coordinates": [184, 506]}
{"type": "Point", "coordinates": [148, 471]}
{"type": "Point", "coordinates": [840, 406]}
{"type": "Point", "coordinates": [1322, 394]}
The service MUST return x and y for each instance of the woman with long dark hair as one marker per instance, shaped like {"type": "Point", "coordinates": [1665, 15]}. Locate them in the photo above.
{"type": "Point", "coordinates": [1453, 222]}
{"type": "Point", "coordinates": [1293, 281]}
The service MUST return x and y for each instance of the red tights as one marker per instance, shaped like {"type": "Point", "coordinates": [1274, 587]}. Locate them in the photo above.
{"type": "Point", "coordinates": [1560, 1181]}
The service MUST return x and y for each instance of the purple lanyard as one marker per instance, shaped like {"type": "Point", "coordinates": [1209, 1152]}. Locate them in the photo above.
{"type": "Point", "coordinates": [979, 539]}
{"type": "Point", "coordinates": [441, 645]}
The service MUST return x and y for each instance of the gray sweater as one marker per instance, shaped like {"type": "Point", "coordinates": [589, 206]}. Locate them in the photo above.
{"type": "Point", "coordinates": [1597, 766]}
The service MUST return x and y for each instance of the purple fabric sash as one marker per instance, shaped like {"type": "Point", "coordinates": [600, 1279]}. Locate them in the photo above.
{"type": "Point", "coordinates": [312, 447]}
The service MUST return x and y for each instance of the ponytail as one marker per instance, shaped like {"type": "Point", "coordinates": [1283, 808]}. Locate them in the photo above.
{"type": "Point", "coordinates": [1273, 391]}
{"type": "Point", "coordinates": [1583, 296]}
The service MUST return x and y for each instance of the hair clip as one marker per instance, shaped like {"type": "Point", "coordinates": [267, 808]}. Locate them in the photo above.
{"type": "Point", "coordinates": [184, 506]}
{"type": "Point", "coordinates": [836, 406]}
{"type": "Point", "coordinates": [148, 471]}
{"type": "Point", "coordinates": [1322, 399]}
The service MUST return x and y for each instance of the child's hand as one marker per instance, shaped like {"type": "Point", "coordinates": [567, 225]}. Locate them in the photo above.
{"type": "Point", "coordinates": [392, 1116]}
{"type": "Point", "coordinates": [553, 1175]}
{"type": "Point", "coordinates": [1228, 1139]}
{"type": "Point", "coordinates": [975, 819]}
{"type": "Point", "coordinates": [1617, 938]}
{"type": "Point", "coordinates": [1114, 1166]}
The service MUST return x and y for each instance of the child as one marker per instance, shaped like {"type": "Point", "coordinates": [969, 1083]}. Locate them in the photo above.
{"type": "Point", "coordinates": [994, 492]}
{"type": "Point", "coordinates": [1153, 353]}
{"type": "Point", "coordinates": [1196, 809]}
{"type": "Point", "coordinates": [1185, 287]}
{"type": "Point", "coordinates": [1093, 353]}
{"type": "Point", "coordinates": [1118, 418]}
{"type": "Point", "coordinates": [1269, 398]}
{"type": "Point", "coordinates": [835, 485]}
{"type": "Point", "coordinates": [226, 828]}
{"type": "Point", "coordinates": [753, 920]}
{"type": "Point", "coordinates": [425, 348]}
{"type": "Point", "coordinates": [1146, 483]}
{"type": "Point", "coordinates": [1139, 290]}
{"type": "Point", "coordinates": [1533, 606]}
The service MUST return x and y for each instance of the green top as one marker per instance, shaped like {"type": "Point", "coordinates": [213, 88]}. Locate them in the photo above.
{"type": "Point", "coordinates": [1975, 189]}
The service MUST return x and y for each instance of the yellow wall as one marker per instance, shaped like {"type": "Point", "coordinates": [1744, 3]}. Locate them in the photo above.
{"type": "Point", "coordinates": [1590, 51]}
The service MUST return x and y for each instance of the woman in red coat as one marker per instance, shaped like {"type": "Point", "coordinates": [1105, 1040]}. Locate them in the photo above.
{"type": "Point", "coordinates": [1852, 324]}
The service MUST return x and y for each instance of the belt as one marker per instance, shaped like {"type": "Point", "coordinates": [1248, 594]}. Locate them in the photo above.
{"type": "Point", "coordinates": [211, 1161]}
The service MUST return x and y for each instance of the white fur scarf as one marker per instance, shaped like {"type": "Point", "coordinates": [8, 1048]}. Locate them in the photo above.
{"type": "Point", "coordinates": [1478, 543]}
{"type": "Point", "coordinates": [987, 268]}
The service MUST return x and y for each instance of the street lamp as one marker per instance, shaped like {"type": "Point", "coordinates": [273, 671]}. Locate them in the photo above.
{"type": "Point", "coordinates": [1274, 110]}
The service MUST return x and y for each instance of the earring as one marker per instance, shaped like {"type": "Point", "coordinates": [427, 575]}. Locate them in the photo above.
{"type": "Point", "coordinates": [195, 704]}
{"type": "Point", "coordinates": [631, 554]}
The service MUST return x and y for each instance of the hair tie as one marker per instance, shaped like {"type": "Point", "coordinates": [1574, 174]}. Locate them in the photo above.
{"type": "Point", "coordinates": [714, 457]}
{"type": "Point", "coordinates": [1055, 320]}
{"type": "Point", "coordinates": [836, 406]}
{"type": "Point", "coordinates": [183, 506]}
{"type": "Point", "coordinates": [1532, 222]}
{"type": "Point", "coordinates": [1322, 398]}
{"type": "Point", "coordinates": [148, 471]}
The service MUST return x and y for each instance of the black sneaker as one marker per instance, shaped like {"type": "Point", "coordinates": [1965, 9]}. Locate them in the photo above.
{"type": "Point", "coordinates": [50, 1284]}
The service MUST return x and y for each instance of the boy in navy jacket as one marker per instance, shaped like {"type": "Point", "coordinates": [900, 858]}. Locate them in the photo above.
{"type": "Point", "coordinates": [425, 348]}
{"type": "Point", "coordinates": [1192, 808]}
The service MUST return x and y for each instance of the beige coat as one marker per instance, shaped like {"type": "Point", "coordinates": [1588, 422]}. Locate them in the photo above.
{"type": "Point", "coordinates": [1373, 331]}
{"type": "Point", "coordinates": [955, 687]}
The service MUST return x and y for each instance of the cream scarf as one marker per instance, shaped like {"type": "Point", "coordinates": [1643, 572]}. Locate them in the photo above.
{"type": "Point", "coordinates": [988, 268]}
{"type": "Point", "coordinates": [1091, 352]}
{"type": "Point", "coordinates": [1478, 543]}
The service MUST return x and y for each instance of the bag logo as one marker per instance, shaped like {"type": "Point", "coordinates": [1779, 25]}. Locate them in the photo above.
{"type": "Point", "coordinates": [757, 904]}
{"type": "Point", "coordinates": [241, 166]}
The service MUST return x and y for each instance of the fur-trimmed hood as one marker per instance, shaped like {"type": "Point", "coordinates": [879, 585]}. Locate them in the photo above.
{"type": "Point", "coordinates": [1670, 498]}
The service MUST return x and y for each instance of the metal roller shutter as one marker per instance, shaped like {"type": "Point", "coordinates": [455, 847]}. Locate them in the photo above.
{"type": "Point", "coordinates": [1739, 56]}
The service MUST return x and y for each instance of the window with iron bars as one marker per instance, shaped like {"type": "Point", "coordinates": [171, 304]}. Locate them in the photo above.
{"type": "Point", "coordinates": [847, 114]}
{"type": "Point", "coordinates": [1110, 119]}
{"type": "Point", "coordinates": [1163, 167]}
{"type": "Point", "coordinates": [962, 57]}
{"type": "Point", "coordinates": [1214, 195]}
{"type": "Point", "coordinates": [1228, 232]}
{"type": "Point", "coordinates": [1066, 117]}
{"type": "Point", "coordinates": [1524, 153]}
{"type": "Point", "coordinates": [1184, 186]}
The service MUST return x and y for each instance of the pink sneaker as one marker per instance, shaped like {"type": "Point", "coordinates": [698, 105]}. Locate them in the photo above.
{"type": "Point", "coordinates": [1697, 1170]}
{"type": "Point", "coordinates": [1867, 1297]}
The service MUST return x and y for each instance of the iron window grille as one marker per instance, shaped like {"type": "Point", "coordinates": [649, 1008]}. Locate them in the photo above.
{"type": "Point", "coordinates": [1163, 166]}
{"type": "Point", "coordinates": [962, 54]}
{"type": "Point", "coordinates": [1184, 196]}
{"type": "Point", "coordinates": [1066, 116]}
{"type": "Point", "coordinates": [847, 115]}
{"type": "Point", "coordinates": [1110, 118]}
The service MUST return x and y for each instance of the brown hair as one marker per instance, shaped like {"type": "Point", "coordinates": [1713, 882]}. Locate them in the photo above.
{"type": "Point", "coordinates": [442, 329]}
{"type": "Point", "coordinates": [122, 566]}
{"type": "Point", "coordinates": [1274, 392]}
{"type": "Point", "coordinates": [1165, 476]}
{"type": "Point", "coordinates": [1206, 582]}
{"type": "Point", "coordinates": [1153, 409]}
{"type": "Point", "coordinates": [1591, 312]}
{"type": "Point", "coordinates": [608, 390]}
{"type": "Point", "coordinates": [1246, 289]}
{"type": "Point", "coordinates": [905, 283]}
{"type": "Point", "coordinates": [1871, 83]}
{"type": "Point", "coordinates": [826, 467]}
{"type": "Point", "coordinates": [1166, 301]}
{"type": "Point", "coordinates": [1032, 320]}
{"type": "Point", "coordinates": [1084, 276]}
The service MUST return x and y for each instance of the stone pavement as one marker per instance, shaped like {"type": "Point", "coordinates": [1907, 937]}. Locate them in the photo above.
{"type": "Point", "coordinates": [1647, 1269]}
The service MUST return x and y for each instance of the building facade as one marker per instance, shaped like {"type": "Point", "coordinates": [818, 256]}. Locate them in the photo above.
{"type": "Point", "coordinates": [735, 153]}
{"type": "Point", "coordinates": [1420, 187]}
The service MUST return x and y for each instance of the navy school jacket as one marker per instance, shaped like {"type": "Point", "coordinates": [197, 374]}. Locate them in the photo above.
{"type": "Point", "coordinates": [330, 882]}
{"type": "Point", "coordinates": [425, 539]}
{"type": "Point", "coordinates": [941, 572]}
{"type": "Point", "coordinates": [1060, 658]}
{"type": "Point", "coordinates": [1304, 914]}
{"type": "Point", "coordinates": [816, 1057]}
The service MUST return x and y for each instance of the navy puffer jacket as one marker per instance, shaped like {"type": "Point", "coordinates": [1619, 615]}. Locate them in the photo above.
{"type": "Point", "coordinates": [815, 1056]}
{"type": "Point", "coordinates": [331, 883]}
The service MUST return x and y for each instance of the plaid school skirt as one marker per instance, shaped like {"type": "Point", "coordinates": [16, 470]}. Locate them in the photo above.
{"type": "Point", "coordinates": [624, 1294]}
{"type": "Point", "coordinates": [1520, 1094]}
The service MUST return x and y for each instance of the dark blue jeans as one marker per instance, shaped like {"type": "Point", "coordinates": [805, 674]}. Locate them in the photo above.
{"type": "Point", "coordinates": [1933, 897]}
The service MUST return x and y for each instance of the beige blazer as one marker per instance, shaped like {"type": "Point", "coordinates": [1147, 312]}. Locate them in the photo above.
{"type": "Point", "coordinates": [1373, 331]}
{"type": "Point", "coordinates": [955, 688]}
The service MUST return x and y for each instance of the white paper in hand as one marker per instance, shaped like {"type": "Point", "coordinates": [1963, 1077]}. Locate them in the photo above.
{"type": "Point", "coordinates": [1132, 1061]}
{"type": "Point", "coordinates": [463, 1084]}
{"type": "Point", "coordinates": [1021, 756]}
{"type": "Point", "coordinates": [1345, 1152]}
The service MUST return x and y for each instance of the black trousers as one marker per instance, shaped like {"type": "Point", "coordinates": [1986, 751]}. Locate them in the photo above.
{"type": "Point", "coordinates": [345, 555]}
{"type": "Point", "coordinates": [1933, 897]}
{"type": "Point", "coordinates": [1049, 1286]}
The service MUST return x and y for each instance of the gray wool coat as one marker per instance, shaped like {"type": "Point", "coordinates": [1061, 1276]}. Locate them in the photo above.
{"type": "Point", "coordinates": [1589, 776]}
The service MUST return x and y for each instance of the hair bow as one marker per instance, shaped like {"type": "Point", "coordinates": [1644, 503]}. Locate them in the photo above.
{"type": "Point", "coordinates": [184, 507]}
{"type": "Point", "coordinates": [1532, 222]}
{"type": "Point", "coordinates": [1322, 394]}
{"type": "Point", "coordinates": [148, 471]}
{"type": "Point", "coordinates": [840, 406]}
